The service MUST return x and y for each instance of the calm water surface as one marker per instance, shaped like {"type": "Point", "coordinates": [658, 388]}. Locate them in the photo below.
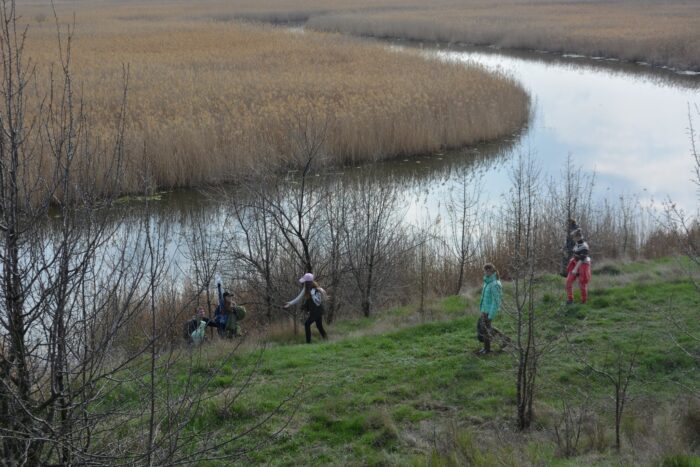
{"type": "Point", "coordinates": [625, 122]}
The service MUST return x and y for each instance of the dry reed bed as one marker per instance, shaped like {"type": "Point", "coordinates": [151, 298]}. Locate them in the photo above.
{"type": "Point", "coordinates": [660, 33]}
{"type": "Point", "coordinates": [210, 100]}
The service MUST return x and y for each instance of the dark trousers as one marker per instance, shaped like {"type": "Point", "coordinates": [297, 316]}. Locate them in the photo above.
{"type": "Point", "coordinates": [487, 332]}
{"type": "Point", "coordinates": [319, 324]}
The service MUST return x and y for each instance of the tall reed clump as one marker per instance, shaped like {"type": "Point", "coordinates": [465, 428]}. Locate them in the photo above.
{"type": "Point", "coordinates": [210, 101]}
{"type": "Point", "coordinates": [660, 33]}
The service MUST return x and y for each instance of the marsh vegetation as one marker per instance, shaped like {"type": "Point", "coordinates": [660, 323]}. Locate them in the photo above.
{"type": "Point", "coordinates": [662, 33]}
{"type": "Point", "coordinates": [212, 101]}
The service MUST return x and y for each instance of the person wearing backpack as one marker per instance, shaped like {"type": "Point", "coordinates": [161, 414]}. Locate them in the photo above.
{"type": "Point", "coordinates": [311, 298]}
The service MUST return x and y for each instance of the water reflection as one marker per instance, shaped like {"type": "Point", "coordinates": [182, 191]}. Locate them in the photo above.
{"type": "Point", "coordinates": [598, 65]}
{"type": "Point", "coordinates": [625, 122]}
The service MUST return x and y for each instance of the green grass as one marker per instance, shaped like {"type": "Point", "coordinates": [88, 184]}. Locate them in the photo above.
{"type": "Point", "coordinates": [381, 397]}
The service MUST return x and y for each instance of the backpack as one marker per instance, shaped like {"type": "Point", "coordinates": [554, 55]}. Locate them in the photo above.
{"type": "Point", "coordinates": [315, 308]}
{"type": "Point", "coordinates": [236, 314]}
{"type": "Point", "coordinates": [239, 311]}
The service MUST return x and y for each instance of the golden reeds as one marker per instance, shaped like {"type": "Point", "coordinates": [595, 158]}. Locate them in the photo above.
{"type": "Point", "coordinates": [210, 100]}
{"type": "Point", "coordinates": [660, 33]}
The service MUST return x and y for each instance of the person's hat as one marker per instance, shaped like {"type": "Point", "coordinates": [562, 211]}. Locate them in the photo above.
{"type": "Point", "coordinates": [308, 277]}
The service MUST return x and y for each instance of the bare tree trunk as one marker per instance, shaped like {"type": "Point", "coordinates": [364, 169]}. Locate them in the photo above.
{"type": "Point", "coordinates": [256, 248]}
{"type": "Point", "coordinates": [372, 237]}
{"type": "Point", "coordinates": [570, 199]}
{"type": "Point", "coordinates": [75, 274]}
{"type": "Point", "coordinates": [463, 212]}
{"type": "Point", "coordinates": [619, 378]}
{"type": "Point", "coordinates": [336, 208]}
{"type": "Point", "coordinates": [521, 217]}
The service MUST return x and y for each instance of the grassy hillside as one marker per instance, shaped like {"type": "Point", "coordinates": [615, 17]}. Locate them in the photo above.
{"type": "Point", "coordinates": [407, 389]}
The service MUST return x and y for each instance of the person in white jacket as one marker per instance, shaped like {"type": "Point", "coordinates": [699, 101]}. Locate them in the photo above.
{"type": "Point", "coordinates": [311, 298]}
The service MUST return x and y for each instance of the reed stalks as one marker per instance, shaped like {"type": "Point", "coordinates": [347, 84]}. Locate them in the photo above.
{"type": "Point", "coordinates": [655, 31]}
{"type": "Point", "coordinates": [659, 33]}
{"type": "Point", "coordinates": [210, 101]}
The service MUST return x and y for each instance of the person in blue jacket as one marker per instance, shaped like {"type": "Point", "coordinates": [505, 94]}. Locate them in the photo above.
{"type": "Point", "coordinates": [224, 315]}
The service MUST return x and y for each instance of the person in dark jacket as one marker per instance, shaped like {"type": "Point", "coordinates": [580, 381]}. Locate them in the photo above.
{"type": "Point", "coordinates": [579, 268]}
{"type": "Point", "coordinates": [311, 298]}
{"type": "Point", "coordinates": [568, 249]}
{"type": "Point", "coordinates": [195, 327]}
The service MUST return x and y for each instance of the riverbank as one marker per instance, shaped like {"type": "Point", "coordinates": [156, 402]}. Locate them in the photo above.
{"type": "Point", "coordinates": [213, 101]}
{"type": "Point", "coordinates": [405, 388]}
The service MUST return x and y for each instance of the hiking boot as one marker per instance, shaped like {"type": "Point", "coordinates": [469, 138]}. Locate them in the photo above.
{"type": "Point", "coordinates": [483, 352]}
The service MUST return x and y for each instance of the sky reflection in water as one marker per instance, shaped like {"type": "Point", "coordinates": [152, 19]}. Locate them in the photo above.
{"type": "Point", "coordinates": [627, 123]}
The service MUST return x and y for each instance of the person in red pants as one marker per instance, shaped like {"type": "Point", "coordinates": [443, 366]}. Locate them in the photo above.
{"type": "Point", "coordinates": [579, 268]}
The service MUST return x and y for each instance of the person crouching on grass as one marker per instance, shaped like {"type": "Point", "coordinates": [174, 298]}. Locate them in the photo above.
{"type": "Point", "coordinates": [579, 268]}
{"type": "Point", "coordinates": [489, 306]}
{"type": "Point", "coordinates": [195, 328]}
{"type": "Point", "coordinates": [311, 298]}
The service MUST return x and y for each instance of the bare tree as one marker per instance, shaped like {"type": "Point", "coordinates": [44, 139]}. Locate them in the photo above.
{"type": "Point", "coordinates": [619, 372]}
{"type": "Point", "coordinates": [296, 206]}
{"type": "Point", "coordinates": [569, 423]}
{"type": "Point", "coordinates": [54, 286]}
{"type": "Point", "coordinates": [684, 226]}
{"type": "Point", "coordinates": [204, 245]}
{"type": "Point", "coordinates": [463, 212]}
{"type": "Point", "coordinates": [333, 266]}
{"type": "Point", "coordinates": [283, 219]}
{"type": "Point", "coordinates": [372, 236]}
{"type": "Point", "coordinates": [255, 245]}
{"type": "Point", "coordinates": [522, 223]}
{"type": "Point", "coordinates": [685, 229]}
{"type": "Point", "coordinates": [76, 273]}
{"type": "Point", "coordinates": [571, 198]}
{"type": "Point", "coordinates": [157, 264]}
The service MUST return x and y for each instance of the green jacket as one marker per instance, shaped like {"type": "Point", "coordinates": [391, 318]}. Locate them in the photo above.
{"type": "Point", "coordinates": [490, 296]}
